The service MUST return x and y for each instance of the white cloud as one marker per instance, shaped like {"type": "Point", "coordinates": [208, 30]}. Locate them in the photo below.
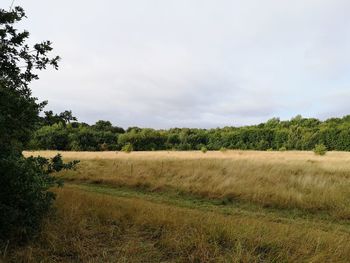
{"type": "Point", "coordinates": [196, 63]}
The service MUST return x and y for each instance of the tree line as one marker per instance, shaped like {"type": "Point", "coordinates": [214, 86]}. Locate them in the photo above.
{"type": "Point", "coordinates": [63, 132]}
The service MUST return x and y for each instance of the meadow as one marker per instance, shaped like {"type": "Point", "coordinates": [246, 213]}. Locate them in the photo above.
{"type": "Point", "coordinates": [168, 206]}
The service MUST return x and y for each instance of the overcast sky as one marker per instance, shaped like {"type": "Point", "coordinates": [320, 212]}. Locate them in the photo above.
{"type": "Point", "coordinates": [194, 63]}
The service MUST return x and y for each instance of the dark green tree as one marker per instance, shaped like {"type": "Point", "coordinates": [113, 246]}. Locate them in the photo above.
{"type": "Point", "coordinates": [67, 116]}
{"type": "Point", "coordinates": [103, 125]}
{"type": "Point", "coordinates": [24, 182]}
{"type": "Point", "coordinates": [64, 117]}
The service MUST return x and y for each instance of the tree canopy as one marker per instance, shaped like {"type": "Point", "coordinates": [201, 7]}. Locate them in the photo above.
{"type": "Point", "coordinates": [24, 182]}
{"type": "Point", "coordinates": [296, 134]}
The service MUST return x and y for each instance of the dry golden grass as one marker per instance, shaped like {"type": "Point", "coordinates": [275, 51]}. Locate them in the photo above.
{"type": "Point", "coordinates": [333, 157]}
{"type": "Point", "coordinates": [89, 227]}
{"type": "Point", "coordinates": [280, 207]}
{"type": "Point", "coordinates": [287, 180]}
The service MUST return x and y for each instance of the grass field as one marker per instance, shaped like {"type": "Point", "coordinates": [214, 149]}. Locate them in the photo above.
{"type": "Point", "coordinates": [234, 206]}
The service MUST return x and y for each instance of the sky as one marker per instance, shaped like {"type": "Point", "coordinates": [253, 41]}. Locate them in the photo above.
{"type": "Point", "coordinates": [194, 63]}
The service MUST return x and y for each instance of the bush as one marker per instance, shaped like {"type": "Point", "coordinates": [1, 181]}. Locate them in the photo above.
{"type": "Point", "coordinates": [282, 149]}
{"type": "Point", "coordinates": [75, 146]}
{"type": "Point", "coordinates": [103, 147]}
{"type": "Point", "coordinates": [223, 149]}
{"type": "Point", "coordinates": [204, 149]}
{"type": "Point", "coordinates": [24, 195]}
{"type": "Point", "coordinates": [127, 148]}
{"type": "Point", "coordinates": [320, 149]}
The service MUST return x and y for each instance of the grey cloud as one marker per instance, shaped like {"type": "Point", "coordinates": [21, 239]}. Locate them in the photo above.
{"type": "Point", "coordinates": [194, 63]}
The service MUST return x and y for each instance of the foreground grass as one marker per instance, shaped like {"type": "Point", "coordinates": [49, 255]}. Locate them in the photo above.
{"type": "Point", "coordinates": [192, 207]}
{"type": "Point", "coordinates": [94, 226]}
{"type": "Point", "coordinates": [288, 180]}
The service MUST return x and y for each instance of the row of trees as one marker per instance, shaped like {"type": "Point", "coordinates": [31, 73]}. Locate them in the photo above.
{"type": "Point", "coordinates": [296, 134]}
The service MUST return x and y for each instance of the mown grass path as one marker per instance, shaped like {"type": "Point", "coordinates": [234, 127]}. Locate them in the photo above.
{"type": "Point", "coordinates": [236, 208]}
{"type": "Point", "coordinates": [108, 223]}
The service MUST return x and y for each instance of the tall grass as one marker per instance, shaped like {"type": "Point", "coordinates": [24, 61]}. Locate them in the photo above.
{"type": "Point", "coordinates": [88, 227]}
{"type": "Point", "coordinates": [284, 180]}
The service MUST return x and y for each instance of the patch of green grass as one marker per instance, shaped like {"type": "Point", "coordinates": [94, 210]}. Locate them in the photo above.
{"type": "Point", "coordinates": [224, 206]}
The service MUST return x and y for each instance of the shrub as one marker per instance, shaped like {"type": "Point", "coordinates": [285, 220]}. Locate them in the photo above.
{"type": "Point", "coordinates": [282, 149]}
{"type": "Point", "coordinates": [320, 149]}
{"type": "Point", "coordinates": [223, 149]}
{"type": "Point", "coordinates": [127, 148]}
{"type": "Point", "coordinates": [24, 194]}
{"type": "Point", "coordinates": [75, 146]}
{"type": "Point", "coordinates": [204, 149]}
{"type": "Point", "coordinates": [104, 147]}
